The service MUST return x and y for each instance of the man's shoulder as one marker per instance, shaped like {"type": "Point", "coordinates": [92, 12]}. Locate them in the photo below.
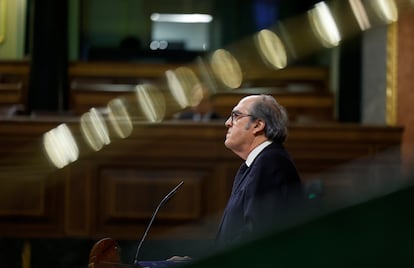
{"type": "Point", "coordinates": [274, 148]}
{"type": "Point", "coordinates": [276, 154]}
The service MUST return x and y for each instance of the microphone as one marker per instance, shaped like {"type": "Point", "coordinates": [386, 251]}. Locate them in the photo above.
{"type": "Point", "coordinates": [160, 205]}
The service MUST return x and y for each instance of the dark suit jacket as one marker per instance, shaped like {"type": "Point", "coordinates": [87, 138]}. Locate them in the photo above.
{"type": "Point", "coordinates": [263, 196]}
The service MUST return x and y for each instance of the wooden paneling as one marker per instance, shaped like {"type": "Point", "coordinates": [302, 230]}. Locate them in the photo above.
{"type": "Point", "coordinates": [14, 81]}
{"type": "Point", "coordinates": [117, 71]}
{"type": "Point", "coordinates": [31, 202]}
{"type": "Point", "coordinates": [127, 188]}
{"type": "Point", "coordinates": [304, 91]}
{"type": "Point", "coordinates": [113, 192]}
{"type": "Point", "coordinates": [31, 206]}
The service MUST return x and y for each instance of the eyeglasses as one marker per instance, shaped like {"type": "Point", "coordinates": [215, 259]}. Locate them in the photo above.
{"type": "Point", "coordinates": [235, 116]}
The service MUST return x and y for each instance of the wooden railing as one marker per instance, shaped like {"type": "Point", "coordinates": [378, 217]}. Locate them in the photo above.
{"type": "Point", "coordinates": [304, 91]}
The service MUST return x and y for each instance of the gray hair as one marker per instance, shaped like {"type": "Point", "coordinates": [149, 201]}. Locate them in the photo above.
{"type": "Point", "coordinates": [273, 114]}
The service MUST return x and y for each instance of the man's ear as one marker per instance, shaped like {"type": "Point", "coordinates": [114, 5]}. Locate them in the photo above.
{"type": "Point", "coordinates": [258, 126]}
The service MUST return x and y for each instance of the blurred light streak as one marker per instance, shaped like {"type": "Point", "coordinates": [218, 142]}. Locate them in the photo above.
{"type": "Point", "coordinates": [386, 10]}
{"type": "Point", "coordinates": [181, 83]}
{"type": "Point", "coordinates": [206, 77]}
{"type": "Point", "coordinates": [360, 14]}
{"type": "Point", "coordinates": [94, 129]}
{"type": "Point", "coordinates": [176, 89]}
{"type": "Point", "coordinates": [199, 93]}
{"type": "Point", "coordinates": [190, 81]}
{"type": "Point", "coordinates": [285, 34]}
{"type": "Point", "coordinates": [119, 118]}
{"type": "Point", "coordinates": [60, 146]}
{"type": "Point", "coordinates": [226, 67]}
{"type": "Point", "coordinates": [323, 25]}
{"type": "Point", "coordinates": [152, 102]}
{"type": "Point", "coordinates": [271, 49]}
{"type": "Point", "coordinates": [298, 37]}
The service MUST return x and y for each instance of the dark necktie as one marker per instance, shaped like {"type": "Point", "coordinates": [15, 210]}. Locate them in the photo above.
{"type": "Point", "coordinates": [239, 176]}
{"type": "Point", "coordinates": [236, 184]}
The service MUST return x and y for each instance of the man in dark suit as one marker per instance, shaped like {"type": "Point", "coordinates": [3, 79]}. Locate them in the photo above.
{"type": "Point", "coordinates": [267, 186]}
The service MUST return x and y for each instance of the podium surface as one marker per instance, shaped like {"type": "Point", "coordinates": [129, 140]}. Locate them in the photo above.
{"type": "Point", "coordinates": [106, 254]}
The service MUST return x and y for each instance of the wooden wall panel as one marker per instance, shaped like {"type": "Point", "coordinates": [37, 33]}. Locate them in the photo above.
{"type": "Point", "coordinates": [22, 197]}
{"type": "Point", "coordinates": [14, 82]}
{"type": "Point", "coordinates": [31, 207]}
{"type": "Point", "coordinates": [79, 200]}
{"type": "Point", "coordinates": [129, 193]}
{"type": "Point", "coordinates": [30, 194]}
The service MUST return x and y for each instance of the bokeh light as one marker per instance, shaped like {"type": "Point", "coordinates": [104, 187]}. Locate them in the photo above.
{"type": "Point", "coordinates": [181, 83]}
{"type": "Point", "coordinates": [271, 49]}
{"type": "Point", "coordinates": [226, 68]}
{"type": "Point", "coordinates": [360, 14]}
{"type": "Point", "coordinates": [60, 146]}
{"type": "Point", "coordinates": [323, 25]}
{"type": "Point", "coordinates": [151, 101]}
{"type": "Point", "coordinates": [119, 118]}
{"type": "Point", "coordinates": [386, 10]}
{"type": "Point", "coordinates": [94, 129]}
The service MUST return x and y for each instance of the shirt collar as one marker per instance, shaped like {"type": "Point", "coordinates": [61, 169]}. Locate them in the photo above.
{"type": "Point", "coordinates": [256, 151]}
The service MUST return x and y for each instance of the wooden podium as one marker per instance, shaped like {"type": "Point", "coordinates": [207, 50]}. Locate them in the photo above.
{"type": "Point", "coordinates": [105, 254]}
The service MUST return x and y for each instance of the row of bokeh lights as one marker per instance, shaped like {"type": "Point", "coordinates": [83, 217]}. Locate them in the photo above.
{"type": "Point", "coordinates": [323, 26]}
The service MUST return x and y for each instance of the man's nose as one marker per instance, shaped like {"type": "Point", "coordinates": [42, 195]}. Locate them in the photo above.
{"type": "Point", "coordinates": [228, 122]}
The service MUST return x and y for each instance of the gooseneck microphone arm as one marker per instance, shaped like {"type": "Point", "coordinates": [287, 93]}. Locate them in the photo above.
{"type": "Point", "coordinates": [160, 205]}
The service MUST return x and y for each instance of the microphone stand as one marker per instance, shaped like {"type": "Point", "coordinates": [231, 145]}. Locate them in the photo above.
{"type": "Point", "coordinates": [161, 204]}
